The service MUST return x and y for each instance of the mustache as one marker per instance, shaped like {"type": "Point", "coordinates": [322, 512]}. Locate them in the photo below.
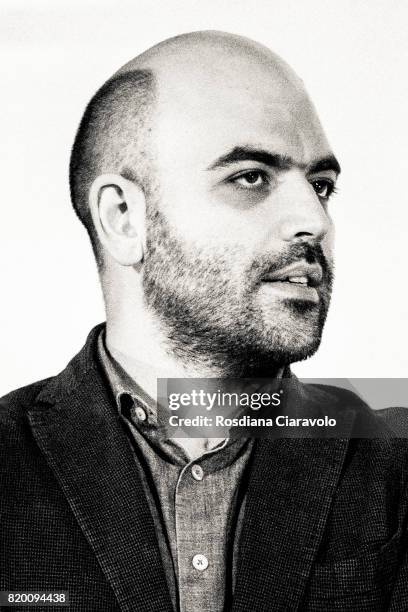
{"type": "Point", "coordinates": [297, 252]}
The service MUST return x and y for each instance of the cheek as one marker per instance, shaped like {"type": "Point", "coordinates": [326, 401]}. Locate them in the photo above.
{"type": "Point", "coordinates": [207, 223]}
{"type": "Point", "coordinates": [203, 216]}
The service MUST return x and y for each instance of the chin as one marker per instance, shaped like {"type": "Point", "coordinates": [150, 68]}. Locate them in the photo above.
{"type": "Point", "coordinates": [294, 336]}
{"type": "Point", "coordinates": [299, 352]}
{"type": "Point", "coordinates": [287, 350]}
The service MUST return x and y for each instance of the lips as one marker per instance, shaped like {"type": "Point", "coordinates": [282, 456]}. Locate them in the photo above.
{"type": "Point", "coordinates": [300, 273]}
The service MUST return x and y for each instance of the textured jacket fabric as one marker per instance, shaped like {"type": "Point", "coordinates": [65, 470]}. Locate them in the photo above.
{"type": "Point", "coordinates": [325, 524]}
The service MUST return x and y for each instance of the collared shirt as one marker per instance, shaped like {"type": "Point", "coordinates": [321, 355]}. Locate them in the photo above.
{"type": "Point", "coordinates": [197, 505]}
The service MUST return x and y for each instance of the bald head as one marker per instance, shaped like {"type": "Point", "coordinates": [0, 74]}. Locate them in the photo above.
{"type": "Point", "coordinates": [206, 52]}
{"type": "Point", "coordinates": [198, 169]}
{"type": "Point", "coordinates": [185, 80]}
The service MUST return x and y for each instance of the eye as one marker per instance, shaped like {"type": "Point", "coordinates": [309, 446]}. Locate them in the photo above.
{"type": "Point", "coordinates": [323, 188]}
{"type": "Point", "coordinates": [250, 179]}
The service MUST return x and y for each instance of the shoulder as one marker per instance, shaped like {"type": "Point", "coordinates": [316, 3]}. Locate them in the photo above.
{"type": "Point", "coordinates": [336, 395]}
{"type": "Point", "coordinates": [20, 457]}
{"type": "Point", "coordinates": [14, 409]}
{"type": "Point", "coordinates": [389, 426]}
{"type": "Point", "coordinates": [396, 418]}
{"type": "Point", "coordinates": [14, 404]}
{"type": "Point", "coordinates": [393, 419]}
{"type": "Point", "coordinates": [378, 445]}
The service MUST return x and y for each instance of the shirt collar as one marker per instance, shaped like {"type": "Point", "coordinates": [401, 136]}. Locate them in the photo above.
{"type": "Point", "coordinates": [131, 399]}
{"type": "Point", "coordinates": [123, 385]}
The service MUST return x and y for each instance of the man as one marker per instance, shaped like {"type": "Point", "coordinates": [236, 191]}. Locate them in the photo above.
{"type": "Point", "coordinates": [203, 177]}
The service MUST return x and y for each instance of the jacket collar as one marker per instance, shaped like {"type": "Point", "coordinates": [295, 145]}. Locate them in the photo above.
{"type": "Point", "coordinates": [290, 487]}
{"type": "Point", "coordinates": [77, 426]}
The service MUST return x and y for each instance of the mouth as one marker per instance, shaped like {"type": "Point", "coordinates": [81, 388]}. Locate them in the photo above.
{"type": "Point", "coordinates": [297, 281]}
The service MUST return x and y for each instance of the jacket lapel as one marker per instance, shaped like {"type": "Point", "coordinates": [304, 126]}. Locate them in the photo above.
{"type": "Point", "coordinates": [290, 491]}
{"type": "Point", "coordinates": [78, 429]}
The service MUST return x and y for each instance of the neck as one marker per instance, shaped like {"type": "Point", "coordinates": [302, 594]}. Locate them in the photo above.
{"type": "Point", "coordinates": [139, 342]}
{"type": "Point", "coordinates": [143, 351]}
{"type": "Point", "coordinates": [139, 346]}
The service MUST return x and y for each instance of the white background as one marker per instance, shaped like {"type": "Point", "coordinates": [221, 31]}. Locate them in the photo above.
{"type": "Point", "coordinates": [353, 57]}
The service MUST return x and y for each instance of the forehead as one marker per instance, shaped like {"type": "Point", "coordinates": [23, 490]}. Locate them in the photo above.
{"type": "Point", "coordinates": [202, 113]}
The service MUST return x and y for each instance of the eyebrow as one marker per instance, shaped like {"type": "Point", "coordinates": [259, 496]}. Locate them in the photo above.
{"type": "Point", "coordinates": [326, 163]}
{"type": "Point", "coordinates": [274, 160]}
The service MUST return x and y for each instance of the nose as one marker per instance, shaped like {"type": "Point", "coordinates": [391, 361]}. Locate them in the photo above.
{"type": "Point", "coordinates": [302, 216]}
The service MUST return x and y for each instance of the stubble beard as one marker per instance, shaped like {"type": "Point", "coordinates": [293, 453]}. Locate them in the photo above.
{"type": "Point", "coordinates": [211, 313]}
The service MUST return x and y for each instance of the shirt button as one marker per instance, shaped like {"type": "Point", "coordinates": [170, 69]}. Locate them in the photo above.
{"type": "Point", "coordinates": [140, 413]}
{"type": "Point", "coordinates": [197, 472]}
{"type": "Point", "coordinates": [200, 562]}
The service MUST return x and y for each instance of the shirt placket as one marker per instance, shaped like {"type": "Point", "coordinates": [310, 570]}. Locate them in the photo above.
{"type": "Point", "coordinates": [199, 541]}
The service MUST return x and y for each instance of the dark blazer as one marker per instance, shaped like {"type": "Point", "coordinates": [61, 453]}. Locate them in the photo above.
{"type": "Point", "coordinates": [325, 524]}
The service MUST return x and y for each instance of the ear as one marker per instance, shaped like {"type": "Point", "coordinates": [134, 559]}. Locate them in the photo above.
{"type": "Point", "coordinates": [118, 210]}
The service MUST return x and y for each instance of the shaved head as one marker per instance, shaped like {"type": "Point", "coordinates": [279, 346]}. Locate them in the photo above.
{"type": "Point", "coordinates": [113, 137]}
{"type": "Point", "coordinates": [203, 170]}
{"type": "Point", "coordinates": [115, 133]}
{"type": "Point", "coordinates": [205, 54]}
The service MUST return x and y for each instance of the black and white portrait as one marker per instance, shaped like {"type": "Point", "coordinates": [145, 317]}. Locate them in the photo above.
{"type": "Point", "coordinates": [203, 229]}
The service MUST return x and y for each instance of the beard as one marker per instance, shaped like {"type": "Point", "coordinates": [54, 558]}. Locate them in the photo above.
{"type": "Point", "coordinates": [213, 311]}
